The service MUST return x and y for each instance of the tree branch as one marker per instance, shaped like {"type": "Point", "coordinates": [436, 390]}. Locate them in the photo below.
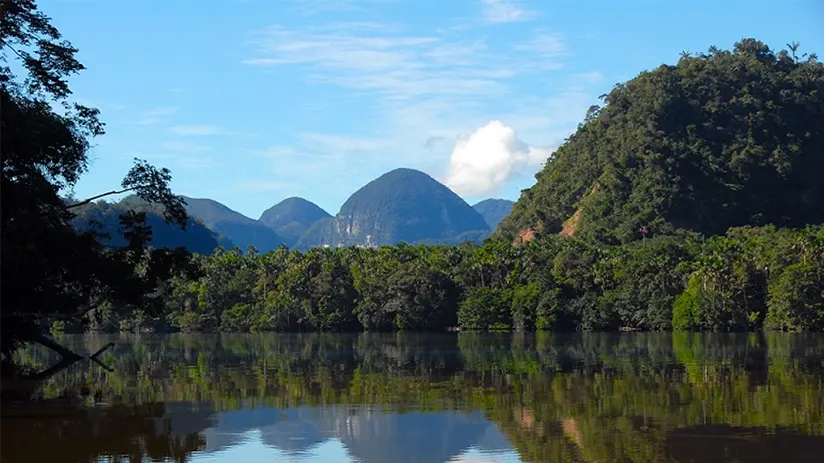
{"type": "Point", "coordinates": [102, 195]}
{"type": "Point", "coordinates": [94, 358]}
{"type": "Point", "coordinates": [82, 312]}
{"type": "Point", "coordinates": [8, 45]}
{"type": "Point", "coordinates": [101, 350]}
{"type": "Point", "coordinates": [66, 353]}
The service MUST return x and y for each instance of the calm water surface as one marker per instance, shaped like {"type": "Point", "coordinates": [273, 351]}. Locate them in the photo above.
{"type": "Point", "coordinates": [427, 398]}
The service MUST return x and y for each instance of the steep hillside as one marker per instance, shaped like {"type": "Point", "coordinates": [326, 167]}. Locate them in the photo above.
{"type": "Point", "coordinates": [291, 218]}
{"type": "Point", "coordinates": [196, 238]}
{"type": "Point", "coordinates": [403, 205]}
{"type": "Point", "coordinates": [721, 139]}
{"type": "Point", "coordinates": [494, 210]}
{"type": "Point", "coordinates": [241, 230]}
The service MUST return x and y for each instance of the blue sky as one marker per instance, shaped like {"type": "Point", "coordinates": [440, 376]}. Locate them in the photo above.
{"type": "Point", "coordinates": [250, 101]}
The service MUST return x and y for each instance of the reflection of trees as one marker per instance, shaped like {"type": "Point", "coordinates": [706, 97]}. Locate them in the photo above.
{"type": "Point", "coordinates": [68, 432]}
{"type": "Point", "coordinates": [753, 445]}
{"type": "Point", "coordinates": [557, 397]}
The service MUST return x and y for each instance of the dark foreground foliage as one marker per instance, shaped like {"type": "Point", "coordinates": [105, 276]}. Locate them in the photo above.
{"type": "Point", "coordinates": [49, 270]}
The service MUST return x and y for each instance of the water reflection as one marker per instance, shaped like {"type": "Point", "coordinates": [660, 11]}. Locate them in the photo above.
{"type": "Point", "coordinates": [370, 398]}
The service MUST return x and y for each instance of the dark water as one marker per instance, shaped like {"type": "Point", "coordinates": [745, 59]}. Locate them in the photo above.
{"type": "Point", "coordinates": [428, 398]}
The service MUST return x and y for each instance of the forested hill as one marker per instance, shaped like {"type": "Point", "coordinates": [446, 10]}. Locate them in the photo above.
{"type": "Point", "coordinates": [721, 139]}
{"type": "Point", "coordinates": [238, 228]}
{"type": "Point", "coordinates": [291, 218]}
{"type": "Point", "coordinates": [104, 217]}
{"type": "Point", "coordinates": [494, 210]}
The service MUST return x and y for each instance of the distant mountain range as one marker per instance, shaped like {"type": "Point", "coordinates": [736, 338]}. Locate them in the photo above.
{"type": "Point", "coordinates": [103, 217]}
{"type": "Point", "coordinates": [494, 210]}
{"type": "Point", "coordinates": [368, 435]}
{"type": "Point", "coordinates": [238, 228]}
{"type": "Point", "coordinates": [403, 205]}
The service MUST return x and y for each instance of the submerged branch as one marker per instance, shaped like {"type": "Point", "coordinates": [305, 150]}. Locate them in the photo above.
{"type": "Point", "coordinates": [66, 353]}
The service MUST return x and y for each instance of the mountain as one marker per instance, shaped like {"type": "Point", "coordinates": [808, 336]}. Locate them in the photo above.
{"type": "Point", "coordinates": [241, 230]}
{"type": "Point", "coordinates": [403, 205]}
{"type": "Point", "coordinates": [721, 139]}
{"type": "Point", "coordinates": [368, 435]}
{"type": "Point", "coordinates": [196, 238]}
{"type": "Point", "coordinates": [494, 210]}
{"type": "Point", "coordinates": [291, 218]}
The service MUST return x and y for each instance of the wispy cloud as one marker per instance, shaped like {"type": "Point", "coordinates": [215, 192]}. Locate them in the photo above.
{"type": "Point", "coordinates": [195, 130]}
{"type": "Point", "coordinates": [178, 161]}
{"type": "Point", "coordinates": [426, 89]}
{"type": "Point", "coordinates": [376, 58]}
{"type": "Point", "coordinates": [310, 7]}
{"type": "Point", "coordinates": [261, 186]}
{"type": "Point", "coordinates": [371, 57]}
{"type": "Point", "coordinates": [154, 115]}
{"type": "Point", "coordinates": [590, 77]}
{"type": "Point", "coordinates": [185, 146]}
{"type": "Point", "coordinates": [325, 143]}
{"type": "Point", "coordinates": [505, 11]}
{"type": "Point", "coordinates": [277, 152]}
{"type": "Point", "coordinates": [546, 50]}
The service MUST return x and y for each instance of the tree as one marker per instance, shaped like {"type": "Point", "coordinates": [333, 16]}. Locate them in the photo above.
{"type": "Point", "coordinates": [50, 271]}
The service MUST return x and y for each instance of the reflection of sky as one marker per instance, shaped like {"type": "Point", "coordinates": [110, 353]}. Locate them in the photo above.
{"type": "Point", "coordinates": [343, 434]}
{"type": "Point", "coordinates": [250, 448]}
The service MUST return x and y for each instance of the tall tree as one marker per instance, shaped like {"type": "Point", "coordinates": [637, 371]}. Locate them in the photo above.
{"type": "Point", "coordinates": [49, 270]}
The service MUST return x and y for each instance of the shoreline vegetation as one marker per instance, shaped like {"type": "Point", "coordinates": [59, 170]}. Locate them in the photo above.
{"type": "Point", "coordinates": [690, 200]}
{"type": "Point", "coordinates": [750, 279]}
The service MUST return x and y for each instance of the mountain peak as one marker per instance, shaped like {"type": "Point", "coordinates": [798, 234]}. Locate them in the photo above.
{"type": "Point", "coordinates": [292, 217]}
{"type": "Point", "coordinates": [402, 205]}
{"type": "Point", "coordinates": [242, 230]}
{"type": "Point", "coordinates": [494, 210]}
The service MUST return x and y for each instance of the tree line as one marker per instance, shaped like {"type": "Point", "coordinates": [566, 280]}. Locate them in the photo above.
{"type": "Point", "coordinates": [751, 278]}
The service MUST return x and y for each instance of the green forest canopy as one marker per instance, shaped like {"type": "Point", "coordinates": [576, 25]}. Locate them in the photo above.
{"type": "Point", "coordinates": [720, 139]}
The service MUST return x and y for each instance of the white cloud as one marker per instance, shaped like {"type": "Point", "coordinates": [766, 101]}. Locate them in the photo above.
{"type": "Point", "coordinates": [195, 130]}
{"type": "Point", "coordinates": [503, 11]}
{"type": "Point", "coordinates": [486, 159]}
{"type": "Point", "coordinates": [154, 116]}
